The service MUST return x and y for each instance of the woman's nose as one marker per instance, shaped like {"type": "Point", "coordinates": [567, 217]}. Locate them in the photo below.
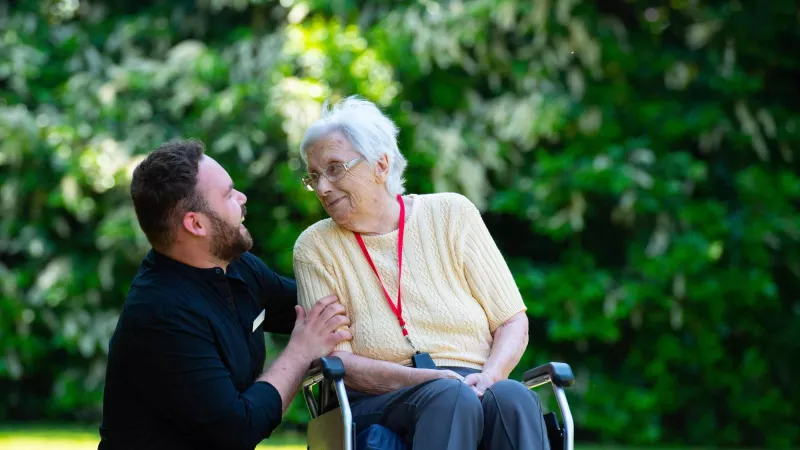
{"type": "Point", "coordinates": [323, 186]}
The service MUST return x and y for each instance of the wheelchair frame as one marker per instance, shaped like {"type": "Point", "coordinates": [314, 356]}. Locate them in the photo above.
{"type": "Point", "coordinates": [330, 370]}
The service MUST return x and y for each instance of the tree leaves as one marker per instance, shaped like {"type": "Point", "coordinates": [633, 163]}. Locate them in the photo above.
{"type": "Point", "coordinates": [635, 165]}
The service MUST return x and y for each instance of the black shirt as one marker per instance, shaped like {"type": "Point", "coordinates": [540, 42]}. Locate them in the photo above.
{"type": "Point", "coordinates": [184, 357]}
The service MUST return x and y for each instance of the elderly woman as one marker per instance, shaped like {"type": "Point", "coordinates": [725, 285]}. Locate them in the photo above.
{"type": "Point", "coordinates": [437, 320]}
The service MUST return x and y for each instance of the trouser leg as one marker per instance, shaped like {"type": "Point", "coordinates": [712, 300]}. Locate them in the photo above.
{"type": "Point", "coordinates": [513, 418]}
{"type": "Point", "coordinates": [442, 414]}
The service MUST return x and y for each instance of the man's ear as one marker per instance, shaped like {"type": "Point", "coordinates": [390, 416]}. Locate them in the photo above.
{"type": "Point", "coordinates": [382, 168]}
{"type": "Point", "coordinates": [193, 223]}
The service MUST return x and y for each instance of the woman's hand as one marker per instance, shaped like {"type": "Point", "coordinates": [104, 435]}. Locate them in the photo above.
{"type": "Point", "coordinates": [510, 340]}
{"type": "Point", "coordinates": [481, 381]}
{"type": "Point", "coordinates": [447, 374]}
{"type": "Point", "coordinates": [423, 375]}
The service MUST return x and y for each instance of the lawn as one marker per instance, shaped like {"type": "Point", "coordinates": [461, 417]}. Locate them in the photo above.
{"type": "Point", "coordinates": [48, 437]}
{"type": "Point", "coordinates": [41, 437]}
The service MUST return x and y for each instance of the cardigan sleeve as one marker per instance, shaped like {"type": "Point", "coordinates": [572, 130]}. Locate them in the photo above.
{"type": "Point", "coordinates": [315, 281]}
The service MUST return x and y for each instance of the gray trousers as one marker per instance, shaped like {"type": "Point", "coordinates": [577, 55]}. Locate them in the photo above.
{"type": "Point", "coordinates": [446, 414]}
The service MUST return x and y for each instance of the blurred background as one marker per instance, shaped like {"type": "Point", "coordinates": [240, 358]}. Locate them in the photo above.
{"type": "Point", "coordinates": [633, 159]}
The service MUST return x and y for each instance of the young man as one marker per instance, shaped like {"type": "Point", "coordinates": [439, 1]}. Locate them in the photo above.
{"type": "Point", "coordinates": [185, 361]}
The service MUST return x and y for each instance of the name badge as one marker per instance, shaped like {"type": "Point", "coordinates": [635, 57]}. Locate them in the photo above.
{"type": "Point", "coordinates": [258, 320]}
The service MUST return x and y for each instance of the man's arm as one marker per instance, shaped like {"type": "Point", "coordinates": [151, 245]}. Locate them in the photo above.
{"type": "Point", "coordinates": [176, 367]}
{"type": "Point", "coordinates": [314, 336]}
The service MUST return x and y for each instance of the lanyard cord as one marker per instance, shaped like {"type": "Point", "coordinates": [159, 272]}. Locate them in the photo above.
{"type": "Point", "coordinates": [398, 309]}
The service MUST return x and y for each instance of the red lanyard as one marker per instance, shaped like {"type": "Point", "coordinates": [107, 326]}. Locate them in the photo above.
{"type": "Point", "coordinates": [398, 310]}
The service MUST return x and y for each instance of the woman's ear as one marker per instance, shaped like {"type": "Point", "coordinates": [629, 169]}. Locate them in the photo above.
{"type": "Point", "coordinates": [382, 168]}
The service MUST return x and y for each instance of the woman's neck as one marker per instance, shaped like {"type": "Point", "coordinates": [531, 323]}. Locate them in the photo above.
{"type": "Point", "coordinates": [381, 219]}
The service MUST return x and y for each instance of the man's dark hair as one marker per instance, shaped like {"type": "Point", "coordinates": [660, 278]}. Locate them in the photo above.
{"type": "Point", "coordinates": [164, 188]}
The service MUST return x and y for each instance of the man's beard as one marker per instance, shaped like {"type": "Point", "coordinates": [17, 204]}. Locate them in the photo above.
{"type": "Point", "coordinates": [228, 243]}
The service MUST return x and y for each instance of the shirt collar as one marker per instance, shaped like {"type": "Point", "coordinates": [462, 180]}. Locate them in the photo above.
{"type": "Point", "coordinates": [159, 260]}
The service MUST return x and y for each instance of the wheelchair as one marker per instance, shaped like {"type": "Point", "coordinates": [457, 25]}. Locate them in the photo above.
{"type": "Point", "coordinates": [332, 427]}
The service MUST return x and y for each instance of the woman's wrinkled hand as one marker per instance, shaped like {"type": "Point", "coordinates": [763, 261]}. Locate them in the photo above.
{"type": "Point", "coordinates": [423, 375]}
{"type": "Point", "coordinates": [479, 382]}
{"type": "Point", "coordinates": [449, 374]}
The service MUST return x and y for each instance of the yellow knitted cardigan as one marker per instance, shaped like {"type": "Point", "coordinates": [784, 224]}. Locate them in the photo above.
{"type": "Point", "coordinates": [456, 286]}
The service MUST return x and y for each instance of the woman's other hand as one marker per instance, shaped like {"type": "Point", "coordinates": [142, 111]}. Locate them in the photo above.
{"type": "Point", "coordinates": [479, 382]}
{"type": "Point", "coordinates": [448, 374]}
{"type": "Point", "coordinates": [423, 375]}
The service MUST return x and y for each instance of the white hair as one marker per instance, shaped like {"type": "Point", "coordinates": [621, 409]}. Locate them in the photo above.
{"type": "Point", "coordinates": [371, 133]}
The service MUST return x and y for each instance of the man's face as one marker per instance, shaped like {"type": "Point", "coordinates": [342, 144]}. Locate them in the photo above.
{"type": "Point", "coordinates": [226, 211]}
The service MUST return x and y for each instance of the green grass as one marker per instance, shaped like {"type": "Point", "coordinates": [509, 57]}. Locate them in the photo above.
{"type": "Point", "coordinates": [65, 437]}
{"type": "Point", "coordinates": [36, 437]}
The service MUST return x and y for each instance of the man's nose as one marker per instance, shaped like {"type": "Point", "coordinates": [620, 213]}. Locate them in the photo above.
{"type": "Point", "coordinates": [242, 198]}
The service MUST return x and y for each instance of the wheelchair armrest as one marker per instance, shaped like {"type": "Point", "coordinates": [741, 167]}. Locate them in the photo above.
{"type": "Point", "coordinates": [331, 368]}
{"type": "Point", "coordinates": [560, 374]}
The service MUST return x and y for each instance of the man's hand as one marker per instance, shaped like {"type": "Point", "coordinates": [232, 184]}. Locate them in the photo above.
{"type": "Point", "coordinates": [479, 382]}
{"type": "Point", "coordinates": [317, 333]}
{"type": "Point", "coordinates": [314, 336]}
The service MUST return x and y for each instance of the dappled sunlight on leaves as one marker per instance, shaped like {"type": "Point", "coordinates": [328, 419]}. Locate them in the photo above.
{"type": "Point", "coordinates": [635, 163]}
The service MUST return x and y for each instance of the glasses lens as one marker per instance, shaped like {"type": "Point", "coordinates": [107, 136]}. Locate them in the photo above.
{"type": "Point", "coordinates": [308, 182]}
{"type": "Point", "coordinates": [335, 172]}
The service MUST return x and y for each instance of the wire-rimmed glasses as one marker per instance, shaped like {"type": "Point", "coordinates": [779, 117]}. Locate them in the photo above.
{"type": "Point", "coordinates": [333, 173]}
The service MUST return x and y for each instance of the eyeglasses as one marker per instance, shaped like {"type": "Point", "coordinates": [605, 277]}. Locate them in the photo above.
{"type": "Point", "coordinates": [332, 173]}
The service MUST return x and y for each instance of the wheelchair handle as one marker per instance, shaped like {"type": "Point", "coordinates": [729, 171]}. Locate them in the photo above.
{"type": "Point", "coordinates": [560, 375]}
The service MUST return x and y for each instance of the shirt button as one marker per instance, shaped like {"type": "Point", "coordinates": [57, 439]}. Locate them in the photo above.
{"type": "Point", "coordinates": [219, 270]}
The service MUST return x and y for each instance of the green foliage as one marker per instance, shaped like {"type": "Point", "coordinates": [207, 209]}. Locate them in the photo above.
{"type": "Point", "coordinates": [635, 164]}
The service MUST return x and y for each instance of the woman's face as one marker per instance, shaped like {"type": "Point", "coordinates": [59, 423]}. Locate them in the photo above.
{"type": "Point", "coordinates": [356, 194]}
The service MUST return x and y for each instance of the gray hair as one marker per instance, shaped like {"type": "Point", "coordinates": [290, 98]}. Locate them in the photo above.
{"type": "Point", "coordinates": [370, 132]}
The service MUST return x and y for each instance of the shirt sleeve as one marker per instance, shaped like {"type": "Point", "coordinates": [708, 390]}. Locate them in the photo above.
{"type": "Point", "coordinates": [314, 282]}
{"type": "Point", "coordinates": [487, 274]}
{"type": "Point", "coordinates": [279, 297]}
{"type": "Point", "coordinates": [175, 366]}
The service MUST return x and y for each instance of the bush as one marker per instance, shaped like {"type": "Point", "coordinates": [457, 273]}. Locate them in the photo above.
{"type": "Point", "coordinates": [636, 165]}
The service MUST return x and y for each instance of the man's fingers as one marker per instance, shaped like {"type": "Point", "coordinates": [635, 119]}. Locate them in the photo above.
{"type": "Point", "coordinates": [332, 311]}
{"type": "Point", "coordinates": [344, 335]}
{"type": "Point", "coordinates": [339, 336]}
{"type": "Point", "coordinates": [322, 304]}
{"type": "Point", "coordinates": [301, 314]}
{"type": "Point", "coordinates": [336, 322]}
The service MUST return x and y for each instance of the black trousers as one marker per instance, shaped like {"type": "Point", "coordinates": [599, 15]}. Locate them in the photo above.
{"type": "Point", "coordinates": [446, 414]}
